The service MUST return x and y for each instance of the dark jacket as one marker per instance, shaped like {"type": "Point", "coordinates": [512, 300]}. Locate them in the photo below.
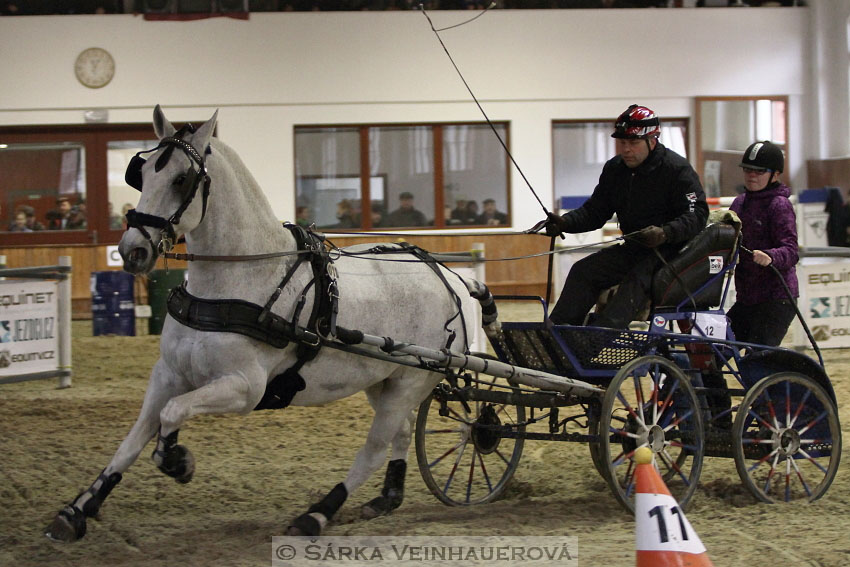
{"type": "Point", "coordinates": [768, 223]}
{"type": "Point", "coordinates": [663, 191]}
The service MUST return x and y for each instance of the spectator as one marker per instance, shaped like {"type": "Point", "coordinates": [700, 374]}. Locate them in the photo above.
{"type": "Point", "coordinates": [345, 215]}
{"type": "Point", "coordinates": [302, 216]}
{"type": "Point", "coordinates": [763, 309]}
{"type": "Point", "coordinates": [471, 212]}
{"type": "Point", "coordinates": [491, 216]}
{"type": "Point", "coordinates": [406, 214]}
{"type": "Point", "coordinates": [20, 223]}
{"type": "Point", "coordinates": [76, 218]}
{"type": "Point", "coordinates": [57, 219]}
{"type": "Point", "coordinates": [114, 219]}
{"type": "Point", "coordinates": [659, 203]}
{"type": "Point", "coordinates": [377, 214]}
{"type": "Point", "coordinates": [124, 210]}
{"type": "Point", "coordinates": [32, 223]}
{"type": "Point", "coordinates": [459, 214]}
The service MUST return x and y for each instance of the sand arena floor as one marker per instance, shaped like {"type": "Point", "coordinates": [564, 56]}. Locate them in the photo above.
{"type": "Point", "coordinates": [255, 473]}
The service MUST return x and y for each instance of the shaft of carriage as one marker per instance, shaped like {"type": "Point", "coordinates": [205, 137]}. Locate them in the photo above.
{"type": "Point", "coordinates": [446, 358]}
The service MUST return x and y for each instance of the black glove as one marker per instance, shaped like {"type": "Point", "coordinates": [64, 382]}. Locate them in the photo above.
{"type": "Point", "coordinates": [555, 225]}
{"type": "Point", "coordinates": [650, 236]}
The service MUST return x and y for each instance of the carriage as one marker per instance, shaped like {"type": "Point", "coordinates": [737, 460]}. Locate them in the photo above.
{"type": "Point", "coordinates": [681, 386]}
{"type": "Point", "coordinates": [387, 320]}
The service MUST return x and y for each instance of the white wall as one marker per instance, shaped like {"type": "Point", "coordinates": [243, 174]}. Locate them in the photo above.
{"type": "Point", "coordinates": [529, 67]}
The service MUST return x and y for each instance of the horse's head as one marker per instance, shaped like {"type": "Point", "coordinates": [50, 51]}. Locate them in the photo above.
{"type": "Point", "coordinates": [174, 184]}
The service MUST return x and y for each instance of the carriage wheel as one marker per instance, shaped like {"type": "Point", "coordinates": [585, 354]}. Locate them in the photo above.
{"type": "Point", "coordinates": [787, 439]}
{"type": "Point", "coordinates": [463, 457]}
{"type": "Point", "coordinates": [650, 403]}
{"type": "Point", "coordinates": [595, 448]}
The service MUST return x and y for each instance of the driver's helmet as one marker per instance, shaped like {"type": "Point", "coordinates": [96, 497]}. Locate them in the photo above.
{"type": "Point", "coordinates": [637, 122]}
{"type": "Point", "coordinates": [763, 156]}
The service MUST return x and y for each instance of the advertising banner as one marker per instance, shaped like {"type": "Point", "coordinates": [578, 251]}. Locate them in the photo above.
{"type": "Point", "coordinates": [28, 327]}
{"type": "Point", "coordinates": [825, 302]}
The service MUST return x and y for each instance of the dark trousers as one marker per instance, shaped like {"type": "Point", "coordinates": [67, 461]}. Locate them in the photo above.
{"type": "Point", "coordinates": [629, 265]}
{"type": "Point", "coordinates": [764, 323]}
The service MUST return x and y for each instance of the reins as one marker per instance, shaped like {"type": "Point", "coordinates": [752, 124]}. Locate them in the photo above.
{"type": "Point", "coordinates": [208, 258]}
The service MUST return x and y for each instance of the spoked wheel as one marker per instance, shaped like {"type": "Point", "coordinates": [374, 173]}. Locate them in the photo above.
{"type": "Point", "coordinates": [464, 456]}
{"type": "Point", "coordinates": [787, 439]}
{"type": "Point", "coordinates": [595, 448]}
{"type": "Point", "coordinates": [650, 403]}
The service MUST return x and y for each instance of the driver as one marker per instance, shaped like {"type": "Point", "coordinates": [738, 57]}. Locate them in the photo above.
{"type": "Point", "coordinates": [659, 203]}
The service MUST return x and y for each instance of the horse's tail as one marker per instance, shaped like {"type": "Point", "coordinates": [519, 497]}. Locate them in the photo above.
{"type": "Point", "coordinates": [489, 313]}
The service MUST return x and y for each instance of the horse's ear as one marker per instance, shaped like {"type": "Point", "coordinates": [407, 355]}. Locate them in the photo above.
{"type": "Point", "coordinates": [161, 126]}
{"type": "Point", "coordinates": [201, 139]}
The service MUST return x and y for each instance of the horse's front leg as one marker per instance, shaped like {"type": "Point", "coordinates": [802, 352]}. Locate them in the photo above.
{"type": "Point", "coordinates": [232, 393]}
{"type": "Point", "coordinates": [70, 523]}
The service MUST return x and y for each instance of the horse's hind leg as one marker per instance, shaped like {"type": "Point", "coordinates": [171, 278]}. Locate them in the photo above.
{"type": "Point", "coordinates": [392, 494]}
{"type": "Point", "coordinates": [70, 523]}
{"type": "Point", "coordinates": [393, 401]}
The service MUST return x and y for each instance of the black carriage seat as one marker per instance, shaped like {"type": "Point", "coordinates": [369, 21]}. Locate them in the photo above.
{"type": "Point", "coordinates": [697, 270]}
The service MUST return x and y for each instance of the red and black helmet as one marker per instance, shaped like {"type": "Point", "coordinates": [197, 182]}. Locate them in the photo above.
{"type": "Point", "coordinates": [637, 122]}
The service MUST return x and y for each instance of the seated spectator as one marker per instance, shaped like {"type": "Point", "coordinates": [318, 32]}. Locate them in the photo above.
{"type": "Point", "coordinates": [377, 213]}
{"type": "Point", "coordinates": [459, 214]}
{"type": "Point", "coordinates": [406, 214]}
{"type": "Point", "coordinates": [32, 223]}
{"type": "Point", "coordinates": [20, 223]}
{"type": "Point", "coordinates": [345, 215]}
{"type": "Point", "coordinates": [124, 210]}
{"type": "Point", "coordinates": [76, 218]}
{"type": "Point", "coordinates": [57, 219]}
{"type": "Point", "coordinates": [302, 216]}
{"type": "Point", "coordinates": [491, 216]}
{"type": "Point", "coordinates": [114, 219]}
{"type": "Point", "coordinates": [471, 212]}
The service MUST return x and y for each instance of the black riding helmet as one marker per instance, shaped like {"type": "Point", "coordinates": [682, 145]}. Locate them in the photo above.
{"type": "Point", "coordinates": [763, 156]}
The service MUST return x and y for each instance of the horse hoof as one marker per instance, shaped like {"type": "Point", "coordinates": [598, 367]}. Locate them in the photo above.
{"type": "Point", "coordinates": [380, 506]}
{"type": "Point", "coordinates": [66, 528]}
{"type": "Point", "coordinates": [188, 467]}
{"type": "Point", "coordinates": [179, 464]}
{"type": "Point", "coordinates": [372, 509]}
{"type": "Point", "coordinates": [307, 525]}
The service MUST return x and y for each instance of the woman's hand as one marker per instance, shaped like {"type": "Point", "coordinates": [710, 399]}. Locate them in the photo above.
{"type": "Point", "coordinates": [761, 258]}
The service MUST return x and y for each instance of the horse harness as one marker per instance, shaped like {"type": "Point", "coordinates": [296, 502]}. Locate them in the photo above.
{"type": "Point", "coordinates": [191, 181]}
{"type": "Point", "coordinates": [246, 318]}
{"type": "Point", "coordinates": [258, 322]}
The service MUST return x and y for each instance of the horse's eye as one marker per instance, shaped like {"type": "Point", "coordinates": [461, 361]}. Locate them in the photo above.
{"type": "Point", "coordinates": [180, 179]}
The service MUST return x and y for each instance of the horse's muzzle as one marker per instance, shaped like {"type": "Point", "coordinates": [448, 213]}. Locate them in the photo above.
{"type": "Point", "coordinates": [138, 254]}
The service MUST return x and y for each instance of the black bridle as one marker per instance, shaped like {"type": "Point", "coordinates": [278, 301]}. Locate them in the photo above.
{"type": "Point", "coordinates": [189, 184]}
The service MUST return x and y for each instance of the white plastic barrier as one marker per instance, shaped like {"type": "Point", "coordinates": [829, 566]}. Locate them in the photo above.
{"type": "Point", "coordinates": [824, 278]}
{"type": "Point", "coordinates": [35, 323]}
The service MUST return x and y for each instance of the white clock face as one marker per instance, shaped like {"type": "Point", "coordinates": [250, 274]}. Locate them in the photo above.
{"type": "Point", "coordinates": [94, 67]}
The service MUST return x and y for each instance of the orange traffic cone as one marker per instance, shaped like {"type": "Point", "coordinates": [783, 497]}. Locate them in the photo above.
{"type": "Point", "coordinates": [664, 537]}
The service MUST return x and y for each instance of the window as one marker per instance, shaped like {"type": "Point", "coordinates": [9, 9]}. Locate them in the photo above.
{"type": "Point", "coordinates": [581, 148]}
{"type": "Point", "coordinates": [401, 176]}
{"type": "Point", "coordinates": [65, 184]}
{"type": "Point", "coordinates": [726, 126]}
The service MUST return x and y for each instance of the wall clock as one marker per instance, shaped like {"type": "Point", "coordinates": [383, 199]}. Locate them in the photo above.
{"type": "Point", "coordinates": [94, 67]}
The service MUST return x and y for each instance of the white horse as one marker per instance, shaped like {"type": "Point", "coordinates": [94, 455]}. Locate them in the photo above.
{"type": "Point", "coordinates": [195, 185]}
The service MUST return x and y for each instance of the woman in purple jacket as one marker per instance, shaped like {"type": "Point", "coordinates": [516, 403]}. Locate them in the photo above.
{"type": "Point", "coordinates": [763, 308]}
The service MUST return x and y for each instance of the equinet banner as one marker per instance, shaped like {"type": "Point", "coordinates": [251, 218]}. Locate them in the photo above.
{"type": "Point", "coordinates": [825, 302]}
{"type": "Point", "coordinates": [28, 327]}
